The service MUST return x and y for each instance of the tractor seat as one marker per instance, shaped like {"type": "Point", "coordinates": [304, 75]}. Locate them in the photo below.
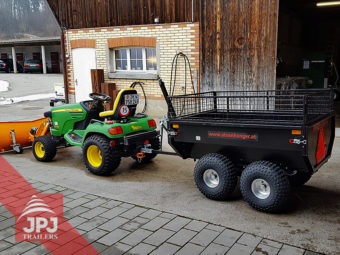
{"type": "Point", "coordinates": [124, 106]}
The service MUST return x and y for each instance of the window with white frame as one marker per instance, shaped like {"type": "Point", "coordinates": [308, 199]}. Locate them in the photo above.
{"type": "Point", "coordinates": [135, 59]}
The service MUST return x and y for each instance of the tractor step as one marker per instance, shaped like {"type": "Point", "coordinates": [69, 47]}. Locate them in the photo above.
{"type": "Point", "coordinates": [73, 137]}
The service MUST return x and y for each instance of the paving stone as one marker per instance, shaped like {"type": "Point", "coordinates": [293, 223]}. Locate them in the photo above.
{"type": "Point", "coordinates": [290, 250]}
{"type": "Point", "coordinates": [59, 188]}
{"type": "Point", "coordinates": [132, 225]}
{"type": "Point", "coordinates": [311, 253]}
{"type": "Point", "coordinates": [249, 240]}
{"type": "Point", "coordinates": [7, 215]}
{"type": "Point", "coordinates": [113, 237]}
{"type": "Point", "coordinates": [228, 237]}
{"type": "Point", "coordinates": [19, 248]}
{"type": "Point", "coordinates": [11, 239]}
{"type": "Point", "coordinates": [7, 223]}
{"type": "Point", "coordinates": [94, 234]}
{"type": "Point", "coordinates": [215, 249]}
{"type": "Point", "coordinates": [159, 237]}
{"type": "Point", "coordinates": [75, 212]}
{"type": "Point", "coordinates": [262, 249]}
{"type": "Point", "coordinates": [182, 237]}
{"type": "Point", "coordinates": [46, 187]}
{"type": "Point", "coordinates": [155, 224]}
{"type": "Point", "coordinates": [122, 246]}
{"type": "Point", "coordinates": [76, 194]}
{"type": "Point", "coordinates": [141, 220]}
{"type": "Point", "coordinates": [4, 245]}
{"type": "Point", "coordinates": [99, 247]}
{"type": "Point", "coordinates": [116, 249]}
{"type": "Point", "coordinates": [142, 249]}
{"type": "Point", "coordinates": [190, 249]}
{"type": "Point", "coordinates": [271, 243]}
{"type": "Point", "coordinates": [150, 214]}
{"type": "Point", "coordinates": [113, 224]}
{"type": "Point", "coordinates": [94, 203]}
{"type": "Point", "coordinates": [217, 228]}
{"type": "Point", "coordinates": [93, 212]}
{"type": "Point", "coordinates": [66, 200]}
{"type": "Point", "coordinates": [204, 237]}
{"type": "Point", "coordinates": [168, 215]}
{"type": "Point", "coordinates": [127, 205]}
{"type": "Point", "coordinates": [110, 204]}
{"type": "Point", "coordinates": [51, 191]}
{"type": "Point", "coordinates": [39, 250]}
{"type": "Point", "coordinates": [76, 202]}
{"type": "Point", "coordinates": [196, 225]}
{"type": "Point", "coordinates": [67, 192]}
{"type": "Point", "coordinates": [91, 224]}
{"type": "Point", "coordinates": [76, 221]}
{"type": "Point", "coordinates": [177, 223]}
{"type": "Point", "coordinates": [238, 249]}
{"type": "Point", "coordinates": [136, 237]}
{"type": "Point", "coordinates": [6, 232]}
{"type": "Point", "coordinates": [166, 249]}
{"type": "Point", "coordinates": [91, 197]}
{"type": "Point", "coordinates": [133, 212]}
{"type": "Point", "coordinates": [113, 212]}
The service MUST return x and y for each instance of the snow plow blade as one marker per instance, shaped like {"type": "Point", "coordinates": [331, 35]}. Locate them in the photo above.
{"type": "Point", "coordinates": [14, 136]}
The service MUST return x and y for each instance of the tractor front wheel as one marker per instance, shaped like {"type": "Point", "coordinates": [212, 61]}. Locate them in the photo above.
{"type": "Point", "coordinates": [44, 148]}
{"type": "Point", "coordinates": [99, 157]}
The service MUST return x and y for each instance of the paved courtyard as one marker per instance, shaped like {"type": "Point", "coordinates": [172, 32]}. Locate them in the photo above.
{"type": "Point", "coordinates": [114, 227]}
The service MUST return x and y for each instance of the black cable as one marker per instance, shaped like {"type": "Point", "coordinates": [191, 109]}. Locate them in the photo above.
{"type": "Point", "coordinates": [133, 85]}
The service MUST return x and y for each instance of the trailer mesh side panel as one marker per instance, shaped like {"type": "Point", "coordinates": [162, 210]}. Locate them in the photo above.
{"type": "Point", "coordinates": [272, 106]}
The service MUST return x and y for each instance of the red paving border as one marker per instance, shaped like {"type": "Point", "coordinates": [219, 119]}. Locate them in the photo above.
{"type": "Point", "coordinates": [15, 191]}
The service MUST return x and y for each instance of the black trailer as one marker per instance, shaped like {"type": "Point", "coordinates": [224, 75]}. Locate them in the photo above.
{"type": "Point", "coordinates": [272, 139]}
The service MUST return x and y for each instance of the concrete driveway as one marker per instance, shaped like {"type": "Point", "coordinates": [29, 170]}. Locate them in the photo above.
{"type": "Point", "coordinates": [311, 222]}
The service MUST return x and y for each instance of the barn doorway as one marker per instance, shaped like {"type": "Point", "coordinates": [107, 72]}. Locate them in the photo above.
{"type": "Point", "coordinates": [308, 50]}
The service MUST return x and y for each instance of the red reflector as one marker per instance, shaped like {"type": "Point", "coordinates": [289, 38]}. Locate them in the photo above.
{"type": "Point", "coordinates": [109, 122]}
{"type": "Point", "coordinates": [113, 143]}
{"type": "Point", "coordinates": [38, 65]}
{"type": "Point", "coordinates": [147, 142]}
{"type": "Point", "coordinates": [26, 65]}
{"type": "Point", "coordinates": [152, 123]}
{"type": "Point", "coordinates": [115, 130]}
{"type": "Point", "coordinates": [5, 64]}
{"type": "Point", "coordinates": [321, 148]}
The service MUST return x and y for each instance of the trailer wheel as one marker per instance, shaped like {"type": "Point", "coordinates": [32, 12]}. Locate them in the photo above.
{"type": "Point", "coordinates": [215, 176]}
{"type": "Point", "coordinates": [44, 148]}
{"type": "Point", "coordinates": [99, 157]}
{"type": "Point", "coordinates": [265, 186]}
{"type": "Point", "coordinates": [299, 179]}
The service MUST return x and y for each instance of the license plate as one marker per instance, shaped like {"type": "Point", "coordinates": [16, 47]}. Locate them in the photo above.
{"type": "Point", "coordinates": [131, 99]}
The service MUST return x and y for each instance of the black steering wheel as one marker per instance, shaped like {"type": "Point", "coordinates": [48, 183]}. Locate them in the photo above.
{"type": "Point", "coordinates": [100, 97]}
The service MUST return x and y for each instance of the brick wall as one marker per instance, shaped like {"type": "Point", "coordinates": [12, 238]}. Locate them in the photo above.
{"type": "Point", "coordinates": [170, 39]}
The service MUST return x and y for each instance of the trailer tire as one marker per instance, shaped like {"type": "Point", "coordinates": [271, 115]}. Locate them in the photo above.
{"type": "Point", "coordinates": [299, 179]}
{"type": "Point", "coordinates": [99, 157]}
{"type": "Point", "coordinates": [265, 186]}
{"type": "Point", "coordinates": [224, 176]}
{"type": "Point", "coordinates": [44, 148]}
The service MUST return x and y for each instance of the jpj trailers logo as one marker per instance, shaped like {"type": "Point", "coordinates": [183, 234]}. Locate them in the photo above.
{"type": "Point", "coordinates": [40, 218]}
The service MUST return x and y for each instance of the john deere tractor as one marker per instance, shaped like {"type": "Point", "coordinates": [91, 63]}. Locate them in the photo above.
{"type": "Point", "coordinates": [105, 136]}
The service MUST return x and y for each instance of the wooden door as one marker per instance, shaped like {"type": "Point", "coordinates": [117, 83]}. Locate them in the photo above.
{"type": "Point", "coordinates": [55, 62]}
{"type": "Point", "coordinates": [20, 58]}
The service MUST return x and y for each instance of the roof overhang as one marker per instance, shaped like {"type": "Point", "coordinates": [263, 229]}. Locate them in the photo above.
{"type": "Point", "coordinates": [31, 42]}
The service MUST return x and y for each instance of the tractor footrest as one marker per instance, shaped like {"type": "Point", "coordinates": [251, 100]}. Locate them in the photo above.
{"type": "Point", "coordinates": [75, 137]}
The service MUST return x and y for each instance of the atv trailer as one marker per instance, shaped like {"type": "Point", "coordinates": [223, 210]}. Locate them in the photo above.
{"type": "Point", "coordinates": [272, 140]}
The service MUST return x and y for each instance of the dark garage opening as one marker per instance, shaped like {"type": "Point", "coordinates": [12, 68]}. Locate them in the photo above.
{"type": "Point", "coordinates": [308, 54]}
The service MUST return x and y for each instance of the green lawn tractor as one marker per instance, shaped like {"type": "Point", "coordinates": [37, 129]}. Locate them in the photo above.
{"type": "Point", "coordinates": [105, 136]}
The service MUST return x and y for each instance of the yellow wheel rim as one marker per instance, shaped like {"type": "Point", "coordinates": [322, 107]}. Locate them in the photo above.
{"type": "Point", "coordinates": [39, 149]}
{"type": "Point", "coordinates": [94, 156]}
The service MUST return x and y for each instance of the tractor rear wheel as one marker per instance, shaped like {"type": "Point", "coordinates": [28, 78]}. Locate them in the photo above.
{"type": "Point", "coordinates": [99, 157]}
{"type": "Point", "coordinates": [215, 176]}
{"type": "Point", "coordinates": [44, 148]}
{"type": "Point", "coordinates": [265, 186]}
